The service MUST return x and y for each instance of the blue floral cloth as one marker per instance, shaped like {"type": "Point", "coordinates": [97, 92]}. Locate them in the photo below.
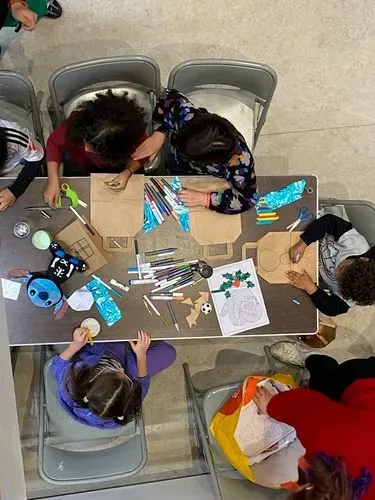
{"type": "Point", "coordinates": [172, 112]}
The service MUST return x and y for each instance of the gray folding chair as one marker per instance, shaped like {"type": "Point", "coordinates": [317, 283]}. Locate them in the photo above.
{"type": "Point", "coordinates": [18, 102]}
{"type": "Point", "coordinates": [75, 83]}
{"type": "Point", "coordinates": [360, 213]}
{"type": "Point", "coordinates": [227, 482]}
{"type": "Point", "coordinates": [73, 453]}
{"type": "Point", "coordinates": [240, 91]}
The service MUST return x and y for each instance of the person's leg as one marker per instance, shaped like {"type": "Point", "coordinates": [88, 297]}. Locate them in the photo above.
{"type": "Point", "coordinates": [160, 356]}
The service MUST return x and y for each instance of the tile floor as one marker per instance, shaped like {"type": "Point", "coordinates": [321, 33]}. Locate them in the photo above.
{"type": "Point", "coordinates": [321, 121]}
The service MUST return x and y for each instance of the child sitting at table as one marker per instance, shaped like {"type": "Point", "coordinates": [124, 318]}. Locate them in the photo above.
{"type": "Point", "coordinates": [103, 385]}
{"type": "Point", "coordinates": [347, 266]}
{"type": "Point", "coordinates": [99, 136]}
{"type": "Point", "coordinates": [20, 156]}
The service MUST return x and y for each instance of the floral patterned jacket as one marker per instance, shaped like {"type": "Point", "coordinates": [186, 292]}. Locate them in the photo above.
{"type": "Point", "coordinates": [172, 111]}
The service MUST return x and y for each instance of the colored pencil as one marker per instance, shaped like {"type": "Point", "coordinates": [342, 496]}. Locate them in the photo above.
{"type": "Point", "coordinates": [81, 219]}
{"type": "Point", "coordinates": [106, 285]}
{"type": "Point", "coordinates": [161, 251]}
{"type": "Point", "coordinates": [145, 298]}
{"type": "Point", "coordinates": [182, 286]}
{"type": "Point", "coordinates": [173, 316]}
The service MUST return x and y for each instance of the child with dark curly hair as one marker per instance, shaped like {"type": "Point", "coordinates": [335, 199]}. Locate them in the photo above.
{"type": "Point", "coordinates": [347, 266]}
{"type": "Point", "coordinates": [103, 385]}
{"type": "Point", "coordinates": [99, 136]}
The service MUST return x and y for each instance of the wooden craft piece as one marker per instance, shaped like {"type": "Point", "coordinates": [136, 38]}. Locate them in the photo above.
{"type": "Point", "coordinates": [187, 301]}
{"type": "Point", "coordinates": [272, 256]}
{"type": "Point", "coordinates": [117, 216]}
{"type": "Point", "coordinates": [199, 303]}
{"type": "Point", "coordinates": [205, 295]}
{"type": "Point", "coordinates": [208, 227]}
{"type": "Point", "coordinates": [192, 318]}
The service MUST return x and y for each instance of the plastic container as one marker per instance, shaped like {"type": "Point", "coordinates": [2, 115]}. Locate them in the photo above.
{"type": "Point", "coordinates": [41, 240]}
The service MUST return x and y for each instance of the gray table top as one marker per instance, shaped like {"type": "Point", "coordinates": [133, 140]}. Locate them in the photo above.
{"type": "Point", "coordinates": [28, 325]}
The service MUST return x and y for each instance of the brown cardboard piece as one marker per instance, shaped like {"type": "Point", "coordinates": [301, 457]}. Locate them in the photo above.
{"type": "Point", "coordinates": [272, 256]}
{"type": "Point", "coordinates": [208, 227]}
{"type": "Point", "coordinates": [117, 216]}
{"type": "Point", "coordinates": [77, 241]}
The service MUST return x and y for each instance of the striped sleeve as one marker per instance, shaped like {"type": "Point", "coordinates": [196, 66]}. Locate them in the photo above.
{"type": "Point", "coordinates": [21, 142]}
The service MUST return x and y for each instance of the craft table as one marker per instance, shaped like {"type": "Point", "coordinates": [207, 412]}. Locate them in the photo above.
{"type": "Point", "coordinates": [28, 325]}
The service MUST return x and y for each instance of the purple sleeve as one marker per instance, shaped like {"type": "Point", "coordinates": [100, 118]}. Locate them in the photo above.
{"type": "Point", "coordinates": [145, 385]}
{"type": "Point", "coordinates": [59, 367]}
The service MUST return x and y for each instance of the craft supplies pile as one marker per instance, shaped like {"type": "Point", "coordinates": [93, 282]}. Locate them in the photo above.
{"type": "Point", "coordinates": [176, 288]}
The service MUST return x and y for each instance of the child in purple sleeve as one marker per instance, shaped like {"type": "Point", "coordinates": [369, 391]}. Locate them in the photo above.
{"type": "Point", "coordinates": [103, 385]}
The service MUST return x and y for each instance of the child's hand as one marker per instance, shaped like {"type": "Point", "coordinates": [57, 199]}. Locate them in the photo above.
{"type": "Point", "coordinates": [261, 398]}
{"type": "Point", "coordinates": [7, 199]}
{"type": "Point", "coordinates": [80, 337]}
{"type": "Point", "coordinates": [297, 251]}
{"type": "Point", "coordinates": [120, 182]}
{"type": "Point", "coordinates": [51, 193]}
{"type": "Point", "coordinates": [24, 15]}
{"type": "Point", "coordinates": [142, 344]}
{"type": "Point", "coordinates": [192, 198]}
{"type": "Point", "coordinates": [302, 281]}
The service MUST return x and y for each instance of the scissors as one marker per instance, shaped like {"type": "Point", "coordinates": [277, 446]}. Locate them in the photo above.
{"type": "Point", "coordinates": [303, 216]}
{"type": "Point", "coordinates": [70, 193]}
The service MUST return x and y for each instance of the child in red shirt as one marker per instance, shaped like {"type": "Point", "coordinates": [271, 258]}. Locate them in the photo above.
{"type": "Point", "coordinates": [99, 136]}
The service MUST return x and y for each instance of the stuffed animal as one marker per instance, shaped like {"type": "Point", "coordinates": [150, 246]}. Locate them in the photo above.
{"type": "Point", "coordinates": [43, 288]}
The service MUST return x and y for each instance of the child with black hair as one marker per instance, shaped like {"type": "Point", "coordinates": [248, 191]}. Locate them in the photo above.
{"type": "Point", "coordinates": [20, 156]}
{"type": "Point", "coordinates": [347, 266]}
{"type": "Point", "coordinates": [202, 143]}
{"type": "Point", "coordinates": [103, 385]}
{"type": "Point", "coordinates": [99, 136]}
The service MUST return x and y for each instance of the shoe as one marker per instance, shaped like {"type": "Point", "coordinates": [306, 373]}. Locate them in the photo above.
{"type": "Point", "coordinates": [292, 353]}
{"type": "Point", "coordinates": [54, 9]}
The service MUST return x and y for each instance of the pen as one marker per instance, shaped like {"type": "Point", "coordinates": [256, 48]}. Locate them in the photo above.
{"type": "Point", "coordinates": [145, 298]}
{"type": "Point", "coordinates": [173, 316]}
{"type": "Point", "coordinates": [79, 217]}
{"type": "Point", "coordinates": [138, 259]}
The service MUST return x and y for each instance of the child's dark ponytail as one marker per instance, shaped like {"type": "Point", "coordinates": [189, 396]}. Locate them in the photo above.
{"type": "Point", "coordinates": [107, 393]}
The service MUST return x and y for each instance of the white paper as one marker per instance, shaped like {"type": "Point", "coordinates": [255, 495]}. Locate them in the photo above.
{"type": "Point", "coordinates": [11, 289]}
{"type": "Point", "coordinates": [244, 308]}
{"type": "Point", "coordinates": [81, 300]}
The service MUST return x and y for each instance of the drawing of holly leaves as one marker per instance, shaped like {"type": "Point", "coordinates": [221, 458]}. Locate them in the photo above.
{"type": "Point", "coordinates": [234, 280]}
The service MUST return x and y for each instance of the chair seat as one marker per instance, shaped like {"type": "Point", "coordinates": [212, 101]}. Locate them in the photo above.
{"type": "Point", "coordinates": [72, 452]}
{"type": "Point", "coordinates": [237, 106]}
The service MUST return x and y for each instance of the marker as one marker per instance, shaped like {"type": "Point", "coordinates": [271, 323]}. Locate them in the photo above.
{"type": "Point", "coordinates": [138, 259]}
{"type": "Point", "coordinates": [165, 297]}
{"type": "Point", "coordinates": [142, 282]}
{"type": "Point", "coordinates": [181, 286]}
{"type": "Point", "coordinates": [173, 316]}
{"type": "Point", "coordinates": [82, 220]}
{"type": "Point", "coordinates": [155, 310]}
{"type": "Point", "coordinates": [119, 285]}
{"type": "Point", "coordinates": [147, 306]}
{"type": "Point", "coordinates": [161, 251]}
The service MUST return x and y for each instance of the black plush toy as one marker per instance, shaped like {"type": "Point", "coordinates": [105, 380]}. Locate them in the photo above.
{"type": "Point", "coordinates": [43, 288]}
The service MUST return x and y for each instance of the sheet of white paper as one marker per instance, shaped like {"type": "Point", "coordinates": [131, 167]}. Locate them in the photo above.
{"type": "Point", "coordinates": [241, 306]}
{"type": "Point", "coordinates": [81, 299]}
{"type": "Point", "coordinates": [11, 289]}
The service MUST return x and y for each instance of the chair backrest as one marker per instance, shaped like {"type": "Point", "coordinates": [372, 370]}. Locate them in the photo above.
{"type": "Point", "coordinates": [18, 91]}
{"type": "Point", "coordinates": [64, 432]}
{"type": "Point", "coordinates": [69, 81]}
{"type": "Point", "coordinates": [254, 78]}
{"type": "Point", "coordinates": [361, 214]}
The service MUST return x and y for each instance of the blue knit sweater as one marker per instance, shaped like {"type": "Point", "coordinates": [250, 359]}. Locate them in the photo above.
{"type": "Point", "coordinates": [90, 356]}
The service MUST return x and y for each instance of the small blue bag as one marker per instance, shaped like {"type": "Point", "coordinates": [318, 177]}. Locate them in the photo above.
{"type": "Point", "coordinates": [283, 196]}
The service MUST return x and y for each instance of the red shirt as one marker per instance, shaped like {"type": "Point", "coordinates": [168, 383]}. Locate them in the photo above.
{"type": "Point", "coordinates": [344, 429]}
{"type": "Point", "coordinates": [57, 145]}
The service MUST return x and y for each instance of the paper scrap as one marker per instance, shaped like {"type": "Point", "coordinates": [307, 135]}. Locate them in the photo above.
{"type": "Point", "coordinates": [11, 289]}
{"type": "Point", "coordinates": [192, 318]}
{"type": "Point", "coordinates": [187, 301]}
{"type": "Point", "coordinates": [205, 295]}
{"type": "Point", "coordinates": [199, 303]}
{"type": "Point", "coordinates": [81, 300]}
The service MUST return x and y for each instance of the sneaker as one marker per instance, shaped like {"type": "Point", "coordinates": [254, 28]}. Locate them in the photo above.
{"type": "Point", "coordinates": [54, 9]}
{"type": "Point", "coordinates": [292, 353]}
